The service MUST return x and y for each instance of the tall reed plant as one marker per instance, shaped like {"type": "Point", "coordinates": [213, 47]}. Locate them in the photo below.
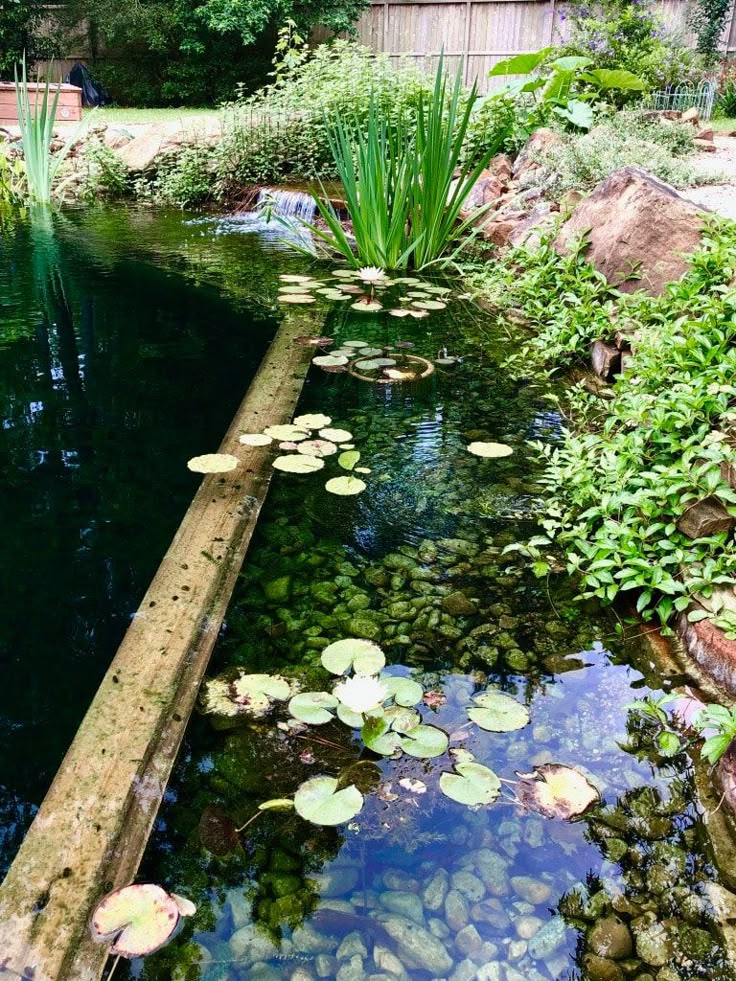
{"type": "Point", "coordinates": [36, 122]}
{"type": "Point", "coordinates": [405, 182]}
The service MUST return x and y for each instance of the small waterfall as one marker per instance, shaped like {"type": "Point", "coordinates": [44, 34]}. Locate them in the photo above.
{"type": "Point", "coordinates": [289, 204]}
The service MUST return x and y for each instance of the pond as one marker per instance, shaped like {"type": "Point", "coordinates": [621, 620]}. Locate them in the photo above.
{"type": "Point", "coordinates": [415, 885]}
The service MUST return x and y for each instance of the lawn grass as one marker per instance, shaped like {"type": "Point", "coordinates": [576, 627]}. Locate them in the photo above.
{"type": "Point", "coordinates": [119, 116]}
{"type": "Point", "coordinates": [725, 125]}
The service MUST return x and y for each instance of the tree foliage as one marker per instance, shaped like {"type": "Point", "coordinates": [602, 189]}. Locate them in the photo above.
{"type": "Point", "coordinates": [21, 31]}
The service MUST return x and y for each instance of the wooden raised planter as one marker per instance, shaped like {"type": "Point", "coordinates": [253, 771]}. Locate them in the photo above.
{"type": "Point", "coordinates": [68, 110]}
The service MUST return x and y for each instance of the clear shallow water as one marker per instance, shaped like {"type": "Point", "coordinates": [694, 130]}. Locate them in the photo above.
{"type": "Point", "coordinates": [418, 886]}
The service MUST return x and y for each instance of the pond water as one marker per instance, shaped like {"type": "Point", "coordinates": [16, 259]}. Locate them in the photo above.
{"type": "Point", "coordinates": [417, 885]}
{"type": "Point", "coordinates": [119, 360]}
{"type": "Point", "coordinates": [130, 337]}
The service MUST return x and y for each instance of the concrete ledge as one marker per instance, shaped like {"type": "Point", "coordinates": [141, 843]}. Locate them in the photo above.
{"type": "Point", "coordinates": [91, 830]}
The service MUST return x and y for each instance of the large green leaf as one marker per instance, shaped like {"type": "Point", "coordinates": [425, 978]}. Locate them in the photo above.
{"type": "Point", "coordinates": [378, 737]}
{"type": "Point", "coordinates": [311, 707]}
{"type": "Point", "coordinates": [523, 64]}
{"type": "Point", "coordinates": [318, 800]}
{"type": "Point", "coordinates": [471, 784]}
{"type": "Point", "coordinates": [617, 78]}
{"type": "Point", "coordinates": [424, 742]}
{"type": "Point", "coordinates": [363, 656]}
{"type": "Point", "coordinates": [577, 112]}
{"type": "Point", "coordinates": [404, 691]}
{"type": "Point", "coordinates": [571, 63]}
{"type": "Point", "coordinates": [496, 712]}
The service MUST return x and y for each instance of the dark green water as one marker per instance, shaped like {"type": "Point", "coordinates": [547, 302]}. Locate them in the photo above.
{"type": "Point", "coordinates": [117, 363]}
{"type": "Point", "coordinates": [130, 337]}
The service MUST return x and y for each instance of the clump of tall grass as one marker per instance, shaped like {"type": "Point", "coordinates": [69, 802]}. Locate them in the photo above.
{"type": "Point", "coordinates": [405, 182]}
{"type": "Point", "coordinates": [36, 122]}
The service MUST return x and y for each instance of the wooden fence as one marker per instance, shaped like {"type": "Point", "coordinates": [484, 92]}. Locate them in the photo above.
{"type": "Point", "coordinates": [478, 33]}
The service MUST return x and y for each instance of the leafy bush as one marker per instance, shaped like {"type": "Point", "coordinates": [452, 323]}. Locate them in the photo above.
{"type": "Point", "coordinates": [103, 172]}
{"type": "Point", "coordinates": [185, 177]}
{"type": "Point", "coordinates": [628, 34]}
{"type": "Point", "coordinates": [583, 161]}
{"type": "Point", "coordinates": [620, 483]}
{"type": "Point", "coordinates": [727, 90]}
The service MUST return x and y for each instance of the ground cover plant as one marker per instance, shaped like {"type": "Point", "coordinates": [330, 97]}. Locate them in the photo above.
{"type": "Point", "coordinates": [622, 478]}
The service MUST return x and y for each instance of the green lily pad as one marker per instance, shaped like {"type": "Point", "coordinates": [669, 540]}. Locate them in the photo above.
{"type": "Point", "coordinates": [367, 306]}
{"type": "Point", "coordinates": [355, 343]}
{"type": "Point", "coordinates": [362, 656]}
{"type": "Point", "coordinates": [429, 304]}
{"type": "Point", "coordinates": [378, 737]}
{"type": "Point", "coordinates": [424, 742]}
{"type": "Point", "coordinates": [496, 712]}
{"type": "Point", "coordinates": [370, 352]}
{"type": "Point", "coordinates": [348, 459]}
{"type": "Point", "coordinates": [289, 432]}
{"type": "Point", "coordinates": [296, 290]}
{"type": "Point", "coordinates": [312, 420]}
{"type": "Point", "coordinates": [345, 273]}
{"type": "Point", "coordinates": [255, 439]}
{"type": "Point", "coordinates": [277, 804]}
{"type": "Point", "coordinates": [352, 719]}
{"type": "Point", "coordinates": [345, 486]}
{"type": "Point", "coordinates": [472, 784]}
{"type": "Point", "coordinates": [489, 449]}
{"type": "Point", "coordinates": [336, 435]}
{"type": "Point", "coordinates": [298, 463]}
{"type": "Point", "coordinates": [398, 312]}
{"type": "Point", "coordinates": [296, 298]}
{"type": "Point", "coordinates": [404, 691]}
{"type": "Point", "coordinates": [311, 707]}
{"type": "Point", "coordinates": [401, 719]}
{"type": "Point", "coordinates": [319, 801]}
{"type": "Point", "coordinates": [213, 463]}
{"type": "Point", "coordinates": [289, 278]}
{"type": "Point", "coordinates": [250, 694]}
{"type": "Point", "coordinates": [330, 360]}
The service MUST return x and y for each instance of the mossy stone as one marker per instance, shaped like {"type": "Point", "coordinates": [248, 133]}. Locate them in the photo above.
{"type": "Point", "coordinates": [278, 590]}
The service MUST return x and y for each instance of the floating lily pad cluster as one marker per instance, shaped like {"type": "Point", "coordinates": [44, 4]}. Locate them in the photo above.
{"type": "Point", "coordinates": [384, 709]}
{"type": "Point", "coordinates": [366, 290]}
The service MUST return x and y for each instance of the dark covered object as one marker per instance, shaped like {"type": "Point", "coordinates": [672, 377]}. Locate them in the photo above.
{"type": "Point", "coordinates": [92, 93]}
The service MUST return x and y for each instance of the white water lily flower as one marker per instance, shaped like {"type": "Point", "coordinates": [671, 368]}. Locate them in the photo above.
{"type": "Point", "coordinates": [371, 274]}
{"type": "Point", "coordinates": [361, 694]}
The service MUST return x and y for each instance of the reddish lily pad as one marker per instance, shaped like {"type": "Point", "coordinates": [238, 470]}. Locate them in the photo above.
{"type": "Point", "coordinates": [556, 791]}
{"type": "Point", "coordinates": [137, 920]}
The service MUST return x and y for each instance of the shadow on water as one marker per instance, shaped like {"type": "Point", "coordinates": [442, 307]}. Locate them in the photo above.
{"type": "Point", "coordinates": [116, 366]}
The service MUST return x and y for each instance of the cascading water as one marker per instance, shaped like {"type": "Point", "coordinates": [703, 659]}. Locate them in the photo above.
{"type": "Point", "coordinates": [277, 217]}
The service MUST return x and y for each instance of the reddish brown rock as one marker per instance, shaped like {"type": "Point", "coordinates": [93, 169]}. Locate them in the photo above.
{"type": "Point", "coordinates": [502, 166]}
{"type": "Point", "coordinates": [711, 650]}
{"type": "Point", "coordinates": [705, 518]}
{"type": "Point", "coordinates": [706, 134]}
{"type": "Point", "coordinates": [541, 140]}
{"type": "Point", "coordinates": [640, 230]}
{"type": "Point", "coordinates": [690, 116]}
{"type": "Point", "coordinates": [705, 146]}
{"type": "Point", "coordinates": [528, 232]}
{"type": "Point", "coordinates": [498, 231]}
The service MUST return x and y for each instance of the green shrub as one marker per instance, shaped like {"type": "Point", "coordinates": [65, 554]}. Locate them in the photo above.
{"type": "Point", "coordinates": [581, 162]}
{"type": "Point", "coordinates": [184, 177]}
{"type": "Point", "coordinates": [726, 106]}
{"type": "Point", "coordinates": [103, 172]}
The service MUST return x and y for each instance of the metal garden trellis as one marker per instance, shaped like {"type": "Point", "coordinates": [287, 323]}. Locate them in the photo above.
{"type": "Point", "coordinates": [701, 97]}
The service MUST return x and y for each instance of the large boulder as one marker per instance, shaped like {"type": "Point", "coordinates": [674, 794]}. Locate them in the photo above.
{"type": "Point", "coordinates": [641, 231]}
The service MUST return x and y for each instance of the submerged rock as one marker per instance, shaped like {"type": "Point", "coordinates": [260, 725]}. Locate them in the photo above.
{"type": "Point", "coordinates": [249, 945]}
{"type": "Point", "coordinates": [552, 935]}
{"type": "Point", "coordinates": [610, 937]}
{"type": "Point", "coordinates": [418, 945]}
{"type": "Point", "coordinates": [435, 891]}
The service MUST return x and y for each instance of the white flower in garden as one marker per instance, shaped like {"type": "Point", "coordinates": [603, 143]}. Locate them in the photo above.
{"type": "Point", "coordinates": [371, 274]}
{"type": "Point", "coordinates": [361, 693]}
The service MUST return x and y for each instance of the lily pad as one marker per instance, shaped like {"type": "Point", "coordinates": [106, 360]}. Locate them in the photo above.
{"type": "Point", "coordinates": [255, 439]}
{"type": "Point", "coordinates": [367, 306]}
{"type": "Point", "coordinates": [319, 801]}
{"type": "Point", "coordinates": [362, 693]}
{"type": "Point", "coordinates": [373, 363]}
{"type": "Point", "coordinates": [363, 470]}
{"type": "Point", "coordinates": [425, 742]}
{"type": "Point", "coordinates": [298, 463]}
{"type": "Point", "coordinates": [317, 447]}
{"type": "Point", "coordinates": [496, 712]}
{"type": "Point", "coordinates": [335, 294]}
{"type": "Point", "coordinates": [289, 278]}
{"type": "Point", "coordinates": [398, 312]}
{"type": "Point", "coordinates": [489, 449]}
{"type": "Point", "coordinates": [362, 656]}
{"type": "Point", "coordinates": [418, 314]}
{"type": "Point", "coordinates": [378, 737]}
{"type": "Point", "coordinates": [345, 486]}
{"type": "Point", "coordinates": [311, 707]}
{"type": "Point", "coordinates": [289, 432]}
{"type": "Point", "coordinates": [336, 435]}
{"type": "Point", "coordinates": [556, 791]}
{"type": "Point", "coordinates": [404, 691]}
{"type": "Point", "coordinates": [249, 694]}
{"type": "Point", "coordinates": [213, 463]}
{"type": "Point", "coordinates": [137, 920]}
{"type": "Point", "coordinates": [297, 290]}
{"type": "Point", "coordinates": [370, 352]}
{"type": "Point", "coordinates": [355, 343]}
{"type": "Point", "coordinates": [429, 304]}
{"type": "Point", "coordinates": [312, 420]}
{"type": "Point", "coordinates": [345, 273]}
{"type": "Point", "coordinates": [348, 459]}
{"type": "Point", "coordinates": [330, 360]}
{"type": "Point", "coordinates": [296, 298]}
{"type": "Point", "coordinates": [288, 446]}
{"type": "Point", "coordinates": [277, 804]}
{"type": "Point", "coordinates": [352, 719]}
{"type": "Point", "coordinates": [401, 719]}
{"type": "Point", "coordinates": [471, 784]}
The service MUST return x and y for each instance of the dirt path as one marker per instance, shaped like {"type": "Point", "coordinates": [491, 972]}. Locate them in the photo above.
{"type": "Point", "coordinates": [717, 197]}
